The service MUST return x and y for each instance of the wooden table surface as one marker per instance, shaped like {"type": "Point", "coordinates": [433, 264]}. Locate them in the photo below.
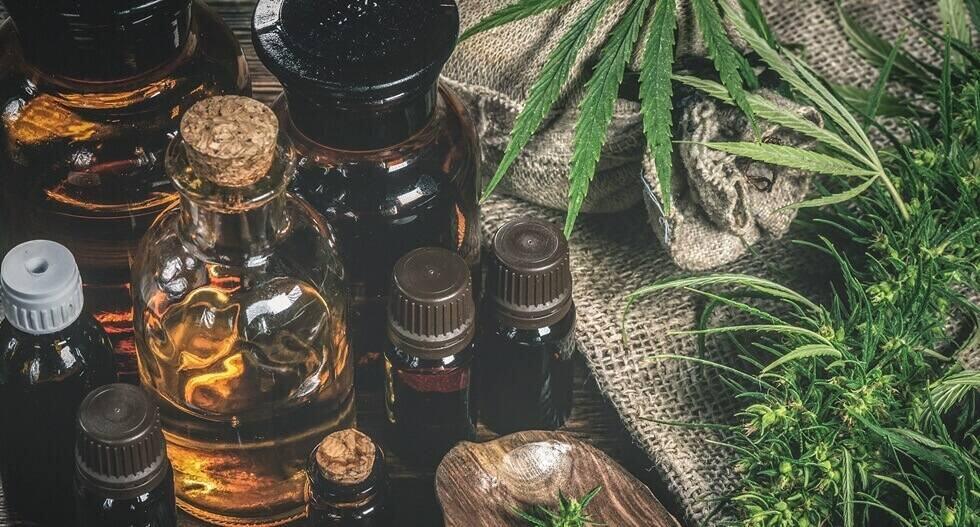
{"type": "Point", "coordinates": [593, 420]}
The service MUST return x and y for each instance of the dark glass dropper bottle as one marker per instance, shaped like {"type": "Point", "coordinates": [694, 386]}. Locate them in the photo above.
{"type": "Point", "coordinates": [348, 485]}
{"type": "Point", "coordinates": [52, 353]}
{"type": "Point", "coordinates": [123, 476]}
{"type": "Point", "coordinates": [428, 365]}
{"type": "Point", "coordinates": [527, 337]}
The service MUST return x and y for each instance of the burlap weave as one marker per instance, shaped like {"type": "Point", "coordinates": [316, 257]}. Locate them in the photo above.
{"type": "Point", "coordinates": [615, 254]}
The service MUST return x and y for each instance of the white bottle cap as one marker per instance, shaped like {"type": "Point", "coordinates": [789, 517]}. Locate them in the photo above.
{"type": "Point", "coordinates": [41, 286]}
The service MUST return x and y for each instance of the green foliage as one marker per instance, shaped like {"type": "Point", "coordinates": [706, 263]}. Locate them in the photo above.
{"type": "Point", "coordinates": [545, 90]}
{"type": "Point", "coordinates": [856, 409]}
{"type": "Point", "coordinates": [596, 109]}
{"type": "Point", "coordinates": [602, 87]}
{"type": "Point", "coordinates": [570, 512]}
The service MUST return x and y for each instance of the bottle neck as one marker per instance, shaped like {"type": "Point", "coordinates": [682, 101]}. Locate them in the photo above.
{"type": "Point", "coordinates": [102, 47]}
{"type": "Point", "coordinates": [233, 237]}
{"type": "Point", "coordinates": [360, 126]}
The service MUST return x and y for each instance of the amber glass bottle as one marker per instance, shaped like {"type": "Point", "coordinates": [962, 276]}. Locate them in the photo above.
{"type": "Point", "coordinates": [527, 334]}
{"type": "Point", "coordinates": [52, 353]}
{"type": "Point", "coordinates": [348, 483]}
{"type": "Point", "coordinates": [386, 152]}
{"type": "Point", "coordinates": [122, 475]}
{"type": "Point", "coordinates": [428, 363]}
{"type": "Point", "coordinates": [241, 320]}
{"type": "Point", "coordinates": [92, 93]}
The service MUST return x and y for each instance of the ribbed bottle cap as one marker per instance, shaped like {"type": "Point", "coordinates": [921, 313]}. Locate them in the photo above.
{"type": "Point", "coordinates": [42, 288]}
{"type": "Point", "coordinates": [119, 448]}
{"type": "Point", "coordinates": [431, 312]}
{"type": "Point", "coordinates": [529, 279]}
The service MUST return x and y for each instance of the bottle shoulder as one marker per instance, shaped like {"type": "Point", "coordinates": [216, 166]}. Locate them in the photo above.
{"type": "Point", "coordinates": [211, 63]}
{"type": "Point", "coordinates": [561, 333]}
{"type": "Point", "coordinates": [81, 349]}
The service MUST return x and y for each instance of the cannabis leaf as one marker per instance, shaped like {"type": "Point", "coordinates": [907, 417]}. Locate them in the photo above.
{"type": "Point", "coordinates": [570, 513]}
{"type": "Point", "coordinates": [656, 92]}
{"type": "Point", "coordinates": [545, 90]}
{"type": "Point", "coordinates": [596, 109]}
{"type": "Point", "coordinates": [601, 88]}
{"type": "Point", "coordinates": [517, 11]}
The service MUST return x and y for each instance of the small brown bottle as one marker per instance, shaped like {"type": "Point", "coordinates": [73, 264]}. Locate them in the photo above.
{"type": "Point", "coordinates": [348, 483]}
{"type": "Point", "coordinates": [386, 152]}
{"type": "Point", "coordinates": [91, 94]}
{"type": "Point", "coordinates": [527, 335]}
{"type": "Point", "coordinates": [122, 475]}
{"type": "Point", "coordinates": [428, 365]}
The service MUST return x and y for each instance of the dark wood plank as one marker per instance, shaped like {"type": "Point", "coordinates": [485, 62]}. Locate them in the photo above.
{"type": "Point", "coordinates": [480, 484]}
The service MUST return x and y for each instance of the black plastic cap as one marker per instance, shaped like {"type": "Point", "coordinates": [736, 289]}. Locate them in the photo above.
{"type": "Point", "coordinates": [529, 280]}
{"type": "Point", "coordinates": [366, 50]}
{"type": "Point", "coordinates": [431, 312]}
{"type": "Point", "coordinates": [119, 450]}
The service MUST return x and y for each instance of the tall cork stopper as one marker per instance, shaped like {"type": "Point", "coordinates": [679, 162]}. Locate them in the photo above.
{"type": "Point", "coordinates": [230, 140]}
{"type": "Point", "coordinates": [346, 457]}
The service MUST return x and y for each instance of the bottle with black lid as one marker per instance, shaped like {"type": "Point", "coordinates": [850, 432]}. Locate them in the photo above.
{"type": "Point", "coordinates": [123, 477]}
{"type": "Point", "coordinates": [52, 353]}
{"type": "Point", "coordinates": [428, 365]}
{"type": "Point", "coordinates": [527, 335]}
{"type": "Point", "coordinates": [92, 92]}
{"type": "Point", "coordinates": [386, 152]}
{"type": "Point", "coordinates": [348, 482]}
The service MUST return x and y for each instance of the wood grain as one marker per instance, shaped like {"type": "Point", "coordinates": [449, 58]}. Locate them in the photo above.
{"type": "Point", "coordinates": [480, 484]}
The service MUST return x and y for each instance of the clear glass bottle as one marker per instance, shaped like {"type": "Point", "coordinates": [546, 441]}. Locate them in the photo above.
{"type": "Point", "coordinates": [92, 93]}
{"type": "Point", "coordinates": [122, 475]}
{"type": "Point", "coordinates": [241, 316]}
{"type": "Point", "coordinates": [385, 152]}
{"type": "Point", "coordinates": [527, 334]}
{"type": "Point", "coordinates": [52, 353]}
{"type": "Point", "coordinates": [428, 363]}
{"type": "Point", "coordinates": [348, 483]}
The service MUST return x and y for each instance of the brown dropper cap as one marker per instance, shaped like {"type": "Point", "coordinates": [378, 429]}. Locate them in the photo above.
{"type": "Point", "coordinates": [529, 280]}
{"type": "Point", "coordinates": [431, 312]}
{"type": "Point", "coordinates": [119, 449]}
{"type": "Point", "coordinates": [230, 140]}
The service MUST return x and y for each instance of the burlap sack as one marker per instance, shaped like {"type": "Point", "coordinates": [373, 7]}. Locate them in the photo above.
{"type": "Point", "coordinates": [617, 253]}
{"type": "Point", "coordinates": [494, 73]}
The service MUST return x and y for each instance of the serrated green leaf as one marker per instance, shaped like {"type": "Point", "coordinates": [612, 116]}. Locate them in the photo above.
{"type": "Point", "coordinates": [879, 88]}
{"type": "Point", "coordinates": [546, 89]}
{"type": "Point", "coordinates": [973, 6]}
{"type": "Point", "coordinates": [767, 111]}
{"type": "Point", "coordinates": [807, 351]}
{"type": "Point", "coordinates": [519, 10]}
{"type": "Point", "coordinates": [834, 199]}
{"type": "Point", "coordinates": [792, 157]}
{"type": "Point", "coordinates": [721, 51]}
{"type": "Point", "coordinates": [656, 93]}
{"type": "Point", "coordinates": [946, 93]}
{"type": "Point", "coordinates": [848, 477]}
{"type": "Point", "coordinates": [757, 19]}
{"type": "Point", "coordinates": [596, 109]}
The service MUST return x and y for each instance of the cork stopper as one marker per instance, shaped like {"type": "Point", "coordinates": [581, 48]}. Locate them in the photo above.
{"type": "Point", "coordinates": [230, 140]}
{"type": "Point", "coordinates": [346, 457]}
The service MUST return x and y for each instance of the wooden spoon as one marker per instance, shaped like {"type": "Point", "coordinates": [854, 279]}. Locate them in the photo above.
{"type": "Point", "coordinates": [480, 484]}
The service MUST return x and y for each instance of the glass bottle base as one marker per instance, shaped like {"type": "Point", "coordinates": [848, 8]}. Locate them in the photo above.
{"type": "Point", "coordinates": [215, 519]}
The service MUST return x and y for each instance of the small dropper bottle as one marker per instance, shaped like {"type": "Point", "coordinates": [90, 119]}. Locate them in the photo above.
{"type": "Point", "coordinates": [527, 338]}
{"type": "Point", "coordinates": [52, 353]}
{"type": "Point", "coordinates": [123, 476]}
{"type": "Point", "coordinates": [348, 485]}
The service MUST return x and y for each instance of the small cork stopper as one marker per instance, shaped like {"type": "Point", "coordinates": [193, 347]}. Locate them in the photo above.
{"type": "Point", "coordinates": [346, 457]}
{"type": "Point", "coordinates": [230, 140]}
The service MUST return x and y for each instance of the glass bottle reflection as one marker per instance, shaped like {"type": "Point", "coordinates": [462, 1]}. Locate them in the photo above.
{"type": "Point", "coordinates": [386, 153]}
{"type": "Point", "coordinates": [92, 93]}
{"type": "Point", "coordinates": [241, 324]}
